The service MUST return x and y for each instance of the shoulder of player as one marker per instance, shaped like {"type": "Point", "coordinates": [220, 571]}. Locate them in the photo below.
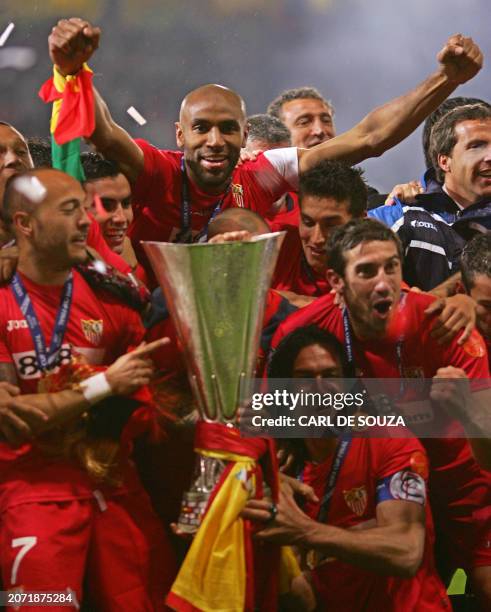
{"type": "Point", "coordinates": [317, 312]}
{"type": "Point", "coordinates": [416, 303]}
{"type": "Point", "coordinates": [271, 159]}
{"type": "Point", "coordinates": [386, 455]}
{"type": "Point", "coordinates": [159, 159]}
{"type": "Point", "coordinates": [101, 296]}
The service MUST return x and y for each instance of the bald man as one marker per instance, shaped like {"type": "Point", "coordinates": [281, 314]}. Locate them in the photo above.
{"type": "Point", "coordinates": [62, 524]}
{"type": "Point", "coordinates": [180, 192]}
{"type": "Point", "coordinates": [15, 158]}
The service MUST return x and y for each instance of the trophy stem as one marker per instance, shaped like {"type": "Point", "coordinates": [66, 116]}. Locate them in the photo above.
{"type": "Point", "coordinates": [207, 473]}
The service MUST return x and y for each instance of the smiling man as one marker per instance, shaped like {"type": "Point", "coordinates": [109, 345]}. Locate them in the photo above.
{"type": "Point", "coordinates": [331, 194]}
{"type": "Point", "coordinates": [435, 228]}
{"type": "Point", "coordinates": [181, 192]}
{"type": "Point", "coordinates": [308, 116]}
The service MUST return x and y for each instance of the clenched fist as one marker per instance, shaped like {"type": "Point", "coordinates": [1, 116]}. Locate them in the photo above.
{"type": "Point", "coordinates": [71, 43]}
{"type": "Point", "coordinates": [460, 59]}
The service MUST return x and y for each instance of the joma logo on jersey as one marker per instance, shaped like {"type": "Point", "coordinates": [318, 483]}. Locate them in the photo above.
{"type": "Point", "coordinates": [20, 324]}
{"type": "Point", "coordinates": [92, 329]}
{"type": "Point", "coordinates": [426, 224]}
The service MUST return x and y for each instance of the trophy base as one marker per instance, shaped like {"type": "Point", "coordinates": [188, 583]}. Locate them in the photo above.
{"type": "Point", "coordinates": [195, 501]}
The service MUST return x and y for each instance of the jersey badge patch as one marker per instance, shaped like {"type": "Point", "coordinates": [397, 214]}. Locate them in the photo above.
{"type": "Point", "coordinates": [474, 346]}
{"type": "Point", "coordinates": [93, 329]}
{"type": "Point", "coordinates": [356, 499]}
{"type": "Point", "coordinates": [419, 464]}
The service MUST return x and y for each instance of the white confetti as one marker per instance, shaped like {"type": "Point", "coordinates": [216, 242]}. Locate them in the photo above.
{"type": "Point", "coordinates": [18, 58]}
{"type": "Point", "coordinates": [6, 33]}
{"type": "Point", "coordinates": [31, 188]}
{"type": "Point", "coordinates": [100, 266]}
{"type": "Point", "coordinates": [134, 114]}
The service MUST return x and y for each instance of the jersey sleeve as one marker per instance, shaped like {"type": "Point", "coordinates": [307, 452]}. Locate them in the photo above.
{"type": "Point", "coordinates": [471, 357]}
{"type": "Point", "coordinates": [285, 162]}
{"type": "Point", "coordinates": [269, 177]}
{"type": "Point", "coordinates": [155, 176]}
{"type": "Point", "coordinates": [95, 239]}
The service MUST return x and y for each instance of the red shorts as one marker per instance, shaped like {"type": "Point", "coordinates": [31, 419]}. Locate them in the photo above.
{"type": "Point", "coordinates": [116, 547]}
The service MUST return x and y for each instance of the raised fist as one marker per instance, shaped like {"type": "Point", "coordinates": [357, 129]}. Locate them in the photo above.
{"type": "Point", "coordinates": [460, 59]}
{"type": "Point", "coordinates": [71, 43]}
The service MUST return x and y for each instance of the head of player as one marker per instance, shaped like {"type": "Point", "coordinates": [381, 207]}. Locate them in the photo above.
{"type": "Point", "coordinates": [46, 211]}
{"type": "Point", "coordinates": [476, 277]}
{"type": "Point", "coordinates": [308, 116]}
{"type": "Point", "coordinates": [446, 106]}
{"type": "Point", "coordinates": [266, 132]}
{"type": "Point", "coordinates": [14, 158]}
{"type": "Point", "coordinates": [105, 180]}
{"type": "Point", "coordinates": [237, 220]}
{"type": "Point", "coordinates": [460, 149]}
{"type": "Point", "coordinates": [211, 130]}
{"type": "Point", "coordinates": [331, 194]}
{"type": "Point", "coordinates": [364, 261]}
{"type": "Point", "coordinates": [308, 352]}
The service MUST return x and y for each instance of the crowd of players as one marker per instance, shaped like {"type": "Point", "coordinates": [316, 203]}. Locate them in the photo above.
{"type": "Point", "coordinates": [96, 416]}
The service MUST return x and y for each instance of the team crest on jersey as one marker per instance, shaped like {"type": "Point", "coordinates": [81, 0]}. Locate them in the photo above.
{"type": "Point", "coordinates": [238, 195]}
{"type": "Point", "coordinates": [474, 346]}
{"type": "Point", "coordinates": [93, 329]}
{"type": "Point", "coordinates": [356, 499]}
{"type": "Point", "coordinates": [419, 464]}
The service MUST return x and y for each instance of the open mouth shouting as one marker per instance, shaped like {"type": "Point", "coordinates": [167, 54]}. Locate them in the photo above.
{"type": "Point", "coordinates": [382, 308]}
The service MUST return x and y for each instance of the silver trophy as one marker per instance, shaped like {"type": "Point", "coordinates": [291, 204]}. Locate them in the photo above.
{"type": "Point", "coordinates": [215, 294]}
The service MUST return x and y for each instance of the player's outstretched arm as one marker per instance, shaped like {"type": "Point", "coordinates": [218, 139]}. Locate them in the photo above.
{"type": "Point", "coordinates": [394, 547]}
{"type": "Point", "coordinates": [71, 43]}
{"type": "Point", "coordinates": [383, 128]}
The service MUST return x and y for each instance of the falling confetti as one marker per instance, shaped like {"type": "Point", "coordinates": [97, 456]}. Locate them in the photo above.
{"type": "Point", "coordinates": [6, 33]}
{"type": "Point", "coordinates": [31, 188]}
{"type": "Point", "coordinates": [134, 114]}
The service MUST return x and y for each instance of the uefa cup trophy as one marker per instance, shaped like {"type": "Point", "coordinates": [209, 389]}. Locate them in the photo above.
{"type": "Point", "coordinates": [215, 294]}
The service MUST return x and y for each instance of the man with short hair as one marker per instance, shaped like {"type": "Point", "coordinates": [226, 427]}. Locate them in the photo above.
{"type": "Point", "coordinates": [181, 192]}
{"type": "Point", "coordinates": [307, 114]}
{"type": "Point", "coordinates": [330, 194]}
{"type": "Point", "coordinates": [435, 228]}
{"type": "Point", "coordinates": [388, 335]}
{"type": "Point", "coordinates": [63, 520]}
{"type": "Point", "coordinates": [476, 278]}
{"type": "Point", "coordinates": [15, 157]}
{"type": "Point", "coordinates": [266, 132]}
{"type": "Point", "coordinates": [112, 207]}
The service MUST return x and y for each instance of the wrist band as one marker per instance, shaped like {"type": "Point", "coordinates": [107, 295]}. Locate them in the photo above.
{"type": "Point", "coordinates": [96, 388]}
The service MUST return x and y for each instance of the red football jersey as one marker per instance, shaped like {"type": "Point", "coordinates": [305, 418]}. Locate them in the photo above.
{"type": "Point", "coordinates": [458, 486]}
{"type": "Point", "coordinates": [158, 191]}
{"type": "Point", "coordinates": [293, 273]}
{"type": "Point", "coordinates": [99, 329]}
{"type": "Point", "coordinates": [375, 471]}
{"type": "Point", "coordinates": [285, 213]}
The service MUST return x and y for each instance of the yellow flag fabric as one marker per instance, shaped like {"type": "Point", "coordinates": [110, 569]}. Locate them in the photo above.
{"type": "Point", "coordinates": [213, 575]}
